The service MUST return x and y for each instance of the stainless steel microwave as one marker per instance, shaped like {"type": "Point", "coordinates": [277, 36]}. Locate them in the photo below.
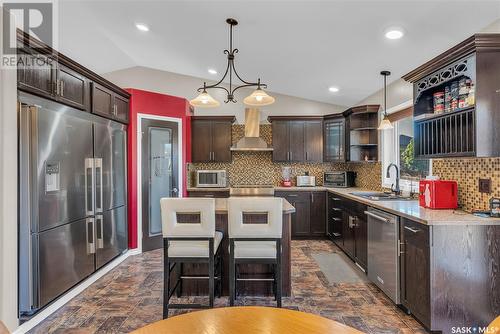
{"type": "Point", "coordinates": [211, 179]}
{"type": "Point", "coordinates": [339, 179]}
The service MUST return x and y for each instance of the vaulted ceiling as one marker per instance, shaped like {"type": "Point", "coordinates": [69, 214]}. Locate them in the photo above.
{"type": "Point", "coordinates": [299, 48]}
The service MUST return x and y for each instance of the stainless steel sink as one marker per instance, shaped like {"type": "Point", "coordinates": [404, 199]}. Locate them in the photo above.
{"type": "Point", "coordinates": [380, 196]}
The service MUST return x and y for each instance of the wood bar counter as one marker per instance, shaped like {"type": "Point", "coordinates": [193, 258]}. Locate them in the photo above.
{"type": "Point", "coordinates": [252, 288]}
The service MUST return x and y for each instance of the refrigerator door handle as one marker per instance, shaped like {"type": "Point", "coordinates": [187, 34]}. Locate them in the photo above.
{"type": "Point", "coordinates": [89, 186]}
{"type": "Point", "coordinates": [90, 235]}
{"type": "Point", "coordinates": [100, 231]}
{"type": "Point", "coordinates": [98, 184]}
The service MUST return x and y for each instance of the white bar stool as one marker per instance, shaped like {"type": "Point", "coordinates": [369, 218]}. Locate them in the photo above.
{"type": "Point", "coordinates": [188, 226]}
{"type": "Point", "coordinates": [255, 229]}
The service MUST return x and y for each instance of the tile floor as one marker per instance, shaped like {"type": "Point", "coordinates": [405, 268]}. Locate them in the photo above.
{"type": "Point", "coordinates": [130, 296]}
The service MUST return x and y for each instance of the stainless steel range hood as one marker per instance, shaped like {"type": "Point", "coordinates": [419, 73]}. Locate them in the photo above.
{"type": "Point", "coordinates": [251, 141]}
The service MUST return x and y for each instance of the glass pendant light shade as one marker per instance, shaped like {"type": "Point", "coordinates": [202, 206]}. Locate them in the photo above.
{"type": "Point", "coordinates": [385, 124]}
{"type": "Point", "coordinates": [204, 100]}
{"type": "Point", "coordinates": [258, 98]}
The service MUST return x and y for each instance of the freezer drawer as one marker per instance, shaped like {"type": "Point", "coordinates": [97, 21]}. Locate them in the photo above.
{"type": "Point", "coordinates": [111, 235]}
{"type": "Point", "coordinates": [110, 164]}
{"type": "Point", "coordinates": [65, 257]}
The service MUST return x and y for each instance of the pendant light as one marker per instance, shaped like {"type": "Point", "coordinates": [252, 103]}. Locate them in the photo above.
{"type": "Point", "coordinates": [385, 124]}
{"type": "Point", "coordinates": [258, 98]}
{"type": "Point", "coordinates": [204, 100]}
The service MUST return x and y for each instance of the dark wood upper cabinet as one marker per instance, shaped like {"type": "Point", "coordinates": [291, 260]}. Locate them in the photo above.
{"type": "Point", "coordinates": [281, 141]}
{"type": "Point", "coordinates": [415, 270]}
{"type": "Point", "coordinates": [47, 73]}
{"type": "Point", "coordinates": [36, 73]}
{"type": "Point", "coordinates": [334, 141]}
{"type": "Point", "coordinates": [122, 108]}
{"type": "Point", "coordinates": [313, 141]}
{"type": "Point", "coordinates": [297, 139]}
{"type": "Point", "coordinates": [72, 88]}
{"type": "Point", "coordinates": [221, 140]}
{"type": "Point", "coordinates": [211, 138]}
{"type": "Point", "coordinates": [318, 214]}
{"type": "Point", "coordinates": [468, 127]}
{"type": "Point", "coordinates": [102, 101]}
{"type": "Point", "coordinates": [107, 103]}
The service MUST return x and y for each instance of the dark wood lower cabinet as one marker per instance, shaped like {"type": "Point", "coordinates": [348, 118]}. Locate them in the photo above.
{"type": "Point", "coordinates": [309, 219]}
{"type": "Point", "coordinates": [318, 214]}
{"type": "Point", "coordinates": [349, 228]}
{"type": "Point", "coordinates": [415, 270]}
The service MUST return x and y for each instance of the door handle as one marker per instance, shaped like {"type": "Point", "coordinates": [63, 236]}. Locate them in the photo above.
{"type": "Point", "coordinates": [414, 230]}
{"type": "Point", "coordinates": [90, 235]}
{"type": "Point", "coordinates": [371, 214]}
{"type": "Point", "coordinates": [100, 231]}
{"type": "Point", "coordinates": [98, 184]}
{"type": "Point", "coordinates": [89, 186]}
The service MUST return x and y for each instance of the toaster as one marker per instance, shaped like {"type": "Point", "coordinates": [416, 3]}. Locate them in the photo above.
{"type": "Point", "coordinates": [306, 181]}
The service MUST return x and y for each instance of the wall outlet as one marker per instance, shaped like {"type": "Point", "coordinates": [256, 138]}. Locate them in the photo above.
{"type": "Point", "coordinates": [485, 186]}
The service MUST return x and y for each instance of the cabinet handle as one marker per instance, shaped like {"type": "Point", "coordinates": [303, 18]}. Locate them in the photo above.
{"type": "Point", "coordinates": [290, 156]}
{"type": "Point", "coordinates": [208, 195]}
{"type": "Point", "coordinates": [400, 252]}
{"type": "Point", "coordinates": [213, 156]}
{"type": "Point", "coordinates": [292, 195]}
{"type": "Point", "coordinates": [62, 88]}
{"type": "Point", "coordinates": [306, 156]}
{"type": "Point", "coordinates": [336, 209]}
{"type": "Point", "coordinates": [335, 199]}
{"type": "Point", "coordinates": [312, 197]}
{"type": "Point", "coordinates": [414, 230]}
{"type": "Point", "coordinates": [336, 234]}
{"type": "Point", "coordinates": [351, 221]}
{"type": "Point", "coordinates": [336, 219]}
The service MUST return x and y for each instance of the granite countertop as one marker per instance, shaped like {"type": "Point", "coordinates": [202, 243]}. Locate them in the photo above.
{"type": "Point", "coordinates": [208, 189]}
{"type": "Point", "coordinates": [412, 210]}
{"type": "Point", "coordinates": [221, 206]}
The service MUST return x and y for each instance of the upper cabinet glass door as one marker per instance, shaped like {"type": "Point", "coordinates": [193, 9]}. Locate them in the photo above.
{"type": "Point", "coordinates": [334, 140]}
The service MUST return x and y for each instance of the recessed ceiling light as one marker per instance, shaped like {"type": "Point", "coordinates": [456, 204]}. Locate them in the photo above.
{"type": "Point", "coordinates": [394, 33]}
{"type": "Point", "coordinates": [142, 27]}
{"type": "Point", "coordinates": [333, 89]}
{"type": "Point", "coordinates": [212, 71]}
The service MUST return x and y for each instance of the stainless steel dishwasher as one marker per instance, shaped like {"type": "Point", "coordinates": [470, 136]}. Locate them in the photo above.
{"type": "Point", "coordinates": [383, 252]}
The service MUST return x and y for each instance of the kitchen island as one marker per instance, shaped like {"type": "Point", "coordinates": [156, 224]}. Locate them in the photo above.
{"type": "Point", "coordinates": [252, 288]}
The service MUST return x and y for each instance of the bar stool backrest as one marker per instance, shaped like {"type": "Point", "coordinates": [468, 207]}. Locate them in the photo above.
{"type": "Point", "coordinates": [238, 207]}
{"type": "Point", "coordinates": [173, 208]}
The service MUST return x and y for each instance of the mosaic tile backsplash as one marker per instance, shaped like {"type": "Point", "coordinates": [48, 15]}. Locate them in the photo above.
{"type": "Point", "coordinates": [467, 173]}
{"type": "Point", "coordinates": [257, 168]}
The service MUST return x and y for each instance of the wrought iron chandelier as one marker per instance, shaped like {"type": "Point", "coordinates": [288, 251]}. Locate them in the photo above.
{"type": "Point", "coordinates": [258, 98]}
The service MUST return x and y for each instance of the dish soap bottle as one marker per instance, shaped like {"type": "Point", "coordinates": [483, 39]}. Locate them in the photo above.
{"type": "Point", "coordinates": [495, 207]}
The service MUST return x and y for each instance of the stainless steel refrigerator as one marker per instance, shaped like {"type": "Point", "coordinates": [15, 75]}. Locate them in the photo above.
{"type": "Point", "coordinates": [72, 198]}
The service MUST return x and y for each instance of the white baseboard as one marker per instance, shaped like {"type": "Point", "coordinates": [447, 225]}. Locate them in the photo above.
{"type": "Point", "coordinates": [42, 315]}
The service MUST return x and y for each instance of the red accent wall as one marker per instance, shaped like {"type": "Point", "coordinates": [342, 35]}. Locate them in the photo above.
{"type": "Point", "coordinates": [144, 102]}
